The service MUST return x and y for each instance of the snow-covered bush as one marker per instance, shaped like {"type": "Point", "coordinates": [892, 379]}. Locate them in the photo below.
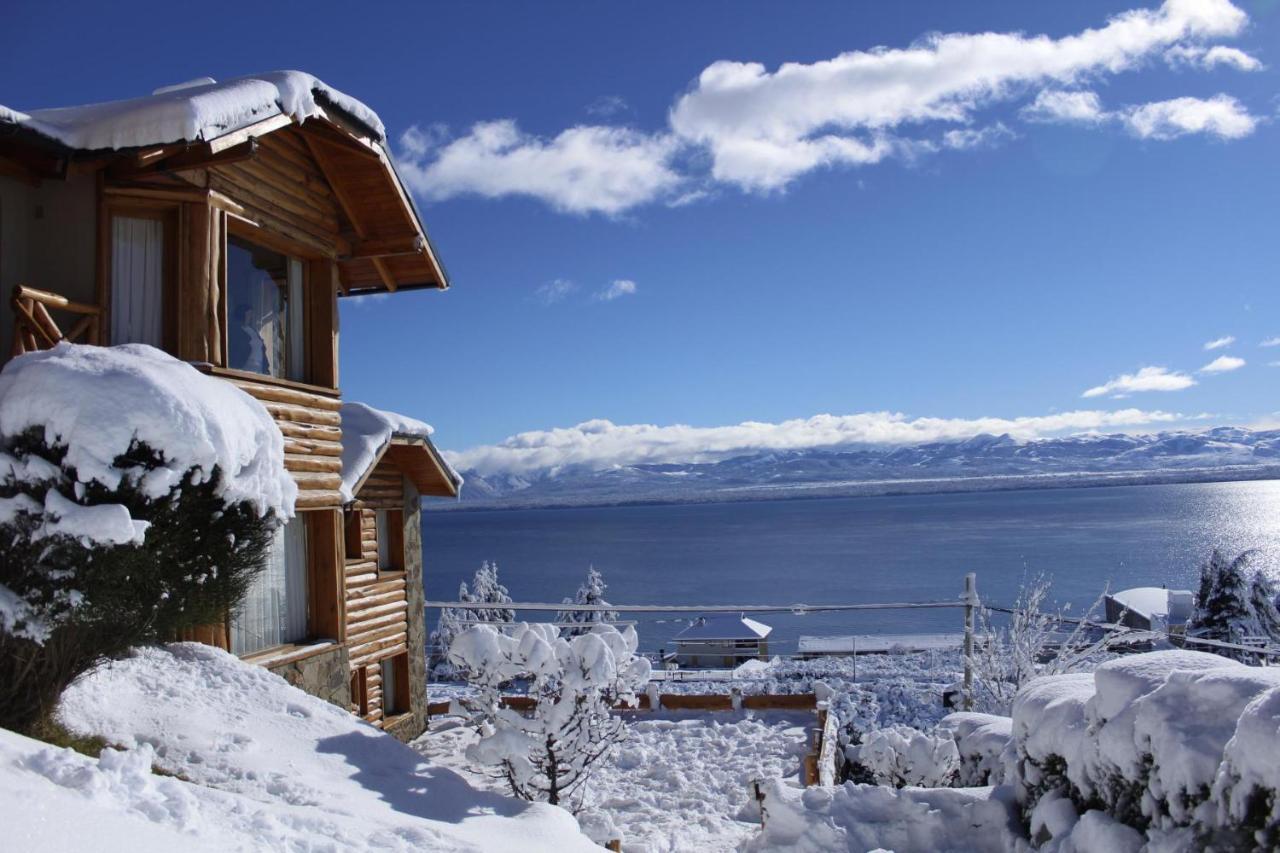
{"type": "Point", "coordinates": [901, 756]}
{"type": "Point", "coordinates": [485, 589]}
{"type": "Point", "coordinates": [983, 742]}
{"type": "Point", "coordinates": [1032, 644]}
{"type": "Point", "coordinates": [1229, 608]}
{"type": "Point", "coordinates": [591, 592]}
{"type": "Point", "coordinates": [137, 499]}
{"type": "Point", "coordinates": [549, 752]}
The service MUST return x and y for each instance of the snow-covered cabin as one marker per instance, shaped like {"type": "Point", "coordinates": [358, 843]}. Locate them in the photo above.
{"type": "Point", "coordinates": [722, 640]}
{"type": "Point", "coordinates": [1149, 608]}
{"type": "Point", "coordinates": [388, 465]}
{"type": "Point", "coordinates": [222, 222]}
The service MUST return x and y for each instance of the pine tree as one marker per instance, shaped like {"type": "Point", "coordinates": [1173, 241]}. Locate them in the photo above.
{"type": "Point", "coordinates": [1224, 611]}
{"type": "Point", "coordinates": [486, 588]}
{"type": "Point", "coordinates": [590, 592]}
{"type": "Point", "coordinates": [1262, 598]}
{"type": "Point", "coordinates": [453, 621]}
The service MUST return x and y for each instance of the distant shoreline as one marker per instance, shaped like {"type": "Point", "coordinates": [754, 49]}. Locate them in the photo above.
{"type": "Point", "coordinates": [889, 488]}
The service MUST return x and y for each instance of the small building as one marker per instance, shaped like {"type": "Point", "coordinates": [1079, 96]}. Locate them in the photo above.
{"type": "Point", "coordinates": [722, 640]}
{"type": "Point", "coordinates": [1150, 608]}
{"type": "Point", "coordinates": [870, 644]}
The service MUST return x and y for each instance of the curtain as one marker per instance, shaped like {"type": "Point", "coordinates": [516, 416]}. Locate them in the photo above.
{"type": "Point", "coordinates": [293, 320]}
{"type": "Point", "coordinates": [384, 539]}
{"type": "Point", "coordinates": [137, 270]}
{"type": "Point", "coordinates": [275, 610]}
{"type": "Point", "coordinates": [390, 701]}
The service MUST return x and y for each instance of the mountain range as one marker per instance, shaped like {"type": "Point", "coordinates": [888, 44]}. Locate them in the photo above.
{"type": "Point", "coordinates": [984, 462]}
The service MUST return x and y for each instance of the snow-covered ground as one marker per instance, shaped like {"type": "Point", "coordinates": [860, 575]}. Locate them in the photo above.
{"type": "Point", "coordinates": [258, 765]}
{"type": "Point", "coordinates": [680, 782]}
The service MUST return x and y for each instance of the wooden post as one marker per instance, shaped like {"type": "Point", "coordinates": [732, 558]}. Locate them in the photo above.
{"type": "Point", "coordinates": [970, 602]}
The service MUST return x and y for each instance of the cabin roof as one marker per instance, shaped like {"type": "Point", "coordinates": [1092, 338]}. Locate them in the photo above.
{"type": "Point", "coordinates": [724, 626]}
{"type": "Point", "coordinates": [391, 250]}
{"type": "Point", "coordinates": [1149, 601]}
{"type": "Point", "coordinates": [369, 434]}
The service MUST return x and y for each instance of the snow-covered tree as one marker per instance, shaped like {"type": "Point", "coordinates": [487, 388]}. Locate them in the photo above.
{"type": "Point", "coordinates": [486, 589]}
{"type": "Point", "coordinates": [549, 753]}
{"type": "Point", "coordinates": [590, 592]}
{"type": "Point", "coordinates": [902, 756]}
{"type": "Point", "coordinates": [1224, 611]}
{"type": "Point", "coordinates": [138, 498]}
{"type": "Point", "coordinates": [1262, 598]}
{"type": "Point", "coordinates": [1034, 642]}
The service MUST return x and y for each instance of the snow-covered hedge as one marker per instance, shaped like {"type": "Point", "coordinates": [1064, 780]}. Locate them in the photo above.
{"type": "Point", "coordinates": [137, 499]}
{"type": "Point", "coordinates": [902, 756]}
{"type": "Point", "coordinates": [981, 742]}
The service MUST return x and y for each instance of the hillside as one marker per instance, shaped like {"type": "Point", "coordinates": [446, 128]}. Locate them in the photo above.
{"type": "Point", "coordinates": [980, 463]}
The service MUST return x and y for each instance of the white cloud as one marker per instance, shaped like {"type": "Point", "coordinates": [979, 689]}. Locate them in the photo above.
{"type": "Point", "coordinates": [1053, 105]}
{"type": "Point", "coordinates": [1271, 342]}
{"type": "Point", "coordinates": [554, 291]}
{"type": "Point", "coordinates": [608, 105]}
{"type": "Point", "coordinates": [1219, 343]}
{"type": "Point", "coordinates": [765, 128]}
{"type": "Point", "coordinates": [1273, 364]}
{"type": "Point", "coordinates": [1223, 364]}
{"type": "Point", "coordinates": [616, 288]}
{"type": "Point", "coordinates": [585, 169]}
{"type": "Point", "coordinates": [1222, 116]}
{"type": "Point", "coordinates": [602, 444]}
{"type": "Point", "coordinates": [1198, 56]}
{"type": "Point", "coordinates": [1146, 379]}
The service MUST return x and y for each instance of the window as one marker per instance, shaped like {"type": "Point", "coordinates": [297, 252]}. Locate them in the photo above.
{"type": "Point", "coordinates": [275, 610]}
{"type": "Point", "coordinates": [360, 691]}
{"type": "Point", "coordinates": [137, 280]}
{"type": "Point", "coordinates": [390, 523]}
{"type": "Point", "coordinates": [395, 685]}
{"type": "Point", "coordinates": [353, 534]}
{"type": "Point", "coordinates": [264, 311]}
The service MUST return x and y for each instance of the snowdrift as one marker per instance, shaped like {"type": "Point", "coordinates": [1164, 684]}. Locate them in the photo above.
{"type": "Point", "coordinates": [259, 765]}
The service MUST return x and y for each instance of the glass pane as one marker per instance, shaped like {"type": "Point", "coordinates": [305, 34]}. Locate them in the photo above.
{"type": "Point", "coordinates": [384, 540]}
{"type": "Point", "coordinates": [264, 311]}
{"type": "Point", "coordinates": [275, 610]}
{"type": "Point", "coordinates": [137, 270]}
{"type": "Point", "coordinates": [390, 699]}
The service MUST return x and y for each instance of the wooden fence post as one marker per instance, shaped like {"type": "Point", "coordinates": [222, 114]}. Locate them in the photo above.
{"type": "Point", "coordinates": [970, 603]}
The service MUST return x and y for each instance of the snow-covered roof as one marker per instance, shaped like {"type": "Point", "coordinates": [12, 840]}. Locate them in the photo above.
{"type": "Point", "coordinates": [367, 433]}
{"type": "Point", "coordinates": [724, 626]}
{"type": "Point", "coordinates": [196, 111]}
{"type": "Point", "coordinates": [1147, 600]}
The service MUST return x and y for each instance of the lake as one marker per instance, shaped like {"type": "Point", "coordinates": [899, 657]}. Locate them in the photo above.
{"type": "Point", "coordinates": [856, 550]}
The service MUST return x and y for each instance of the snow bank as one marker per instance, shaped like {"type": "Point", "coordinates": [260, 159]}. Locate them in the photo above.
{"type": "Point", "coordinates": [197, 111]}
{"type": "Point", "coordinates": [859, 818]}
{"type": "Point", "coordinates": [293, 770]}
{"type": "Point", "coordinates": [366, 432]}
{"type": "Point", "coordinates": [981, 741]}
{"type": "Point", "coordinates": [98, 401]}
{"type": "Point", "coordinates": [1050, 734]}
{"type": "Point", "coordinates": [1249, 776]}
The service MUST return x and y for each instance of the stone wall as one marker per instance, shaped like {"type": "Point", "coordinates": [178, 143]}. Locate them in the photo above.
{"type": "Point", "coordinates": [413, 726]}
{"type": "Point", "coordinates": [326, 674]}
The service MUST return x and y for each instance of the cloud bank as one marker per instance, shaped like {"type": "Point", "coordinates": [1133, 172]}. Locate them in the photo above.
{"type": "Point", "coordinates": [761, 129]}
{"type": "Point", "coordinates": [602, 444]}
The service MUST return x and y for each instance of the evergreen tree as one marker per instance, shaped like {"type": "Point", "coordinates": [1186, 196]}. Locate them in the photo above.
{"type": "Point", "coordinates": [1224, 611]}
{"type": "Point", "coordinates": [485, 588]}
{"type": "Point", "coordinates": [590, 592]}
{"type": "Point", "coordinates": [1262, 598]}
{"type": "Point", "coordinates": [453, 621]}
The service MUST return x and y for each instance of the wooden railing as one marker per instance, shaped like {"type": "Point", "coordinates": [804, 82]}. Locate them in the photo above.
{"type": "Point", "coordinates": [35, 329]}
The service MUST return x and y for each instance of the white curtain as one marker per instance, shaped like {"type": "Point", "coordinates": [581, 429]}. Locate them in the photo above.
{"type": "Point", "coordinates": [384, 539]}
{"type": "Point", "coordinates": [390, 701]}
{"type": "Point", "coordinates": [293, 319]}
{"type": "Point", "coordinates": [137, 272]}
{"type": "Point", "coordinates": [275, 610]}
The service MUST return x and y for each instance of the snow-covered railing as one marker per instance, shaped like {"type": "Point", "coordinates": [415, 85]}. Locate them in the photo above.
{"type": "Point", "coordinates": [677, 702]}
{"type": "Point", "coordinates": [829, 755]}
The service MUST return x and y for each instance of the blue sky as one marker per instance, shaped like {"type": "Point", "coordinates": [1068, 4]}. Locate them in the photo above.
{"type": "Point", "coordinates": [854, 234]}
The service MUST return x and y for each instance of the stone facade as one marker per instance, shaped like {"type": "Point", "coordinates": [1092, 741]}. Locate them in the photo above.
{"type": "Point", "coordinates": [325, 674]}
{"type": "Point", "coordinates": [414, 725]}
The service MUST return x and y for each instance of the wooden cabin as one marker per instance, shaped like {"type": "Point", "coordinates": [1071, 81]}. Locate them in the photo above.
{"type": "Point", "coordinates": [222, 222]}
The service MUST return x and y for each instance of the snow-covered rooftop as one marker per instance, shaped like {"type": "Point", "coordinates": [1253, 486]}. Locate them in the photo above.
{"type": "Point", "coordinates": [1147, 600]}
{"type": "Point", "coordinates": [724, 626]}
{"type": "Point", "coordinates": [366, 434]}
{"type": "Point", "coordinates": [196, 111]}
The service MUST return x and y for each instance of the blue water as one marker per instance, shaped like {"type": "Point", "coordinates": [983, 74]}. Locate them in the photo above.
{"type": "Point", "coordinates": [854, 550]}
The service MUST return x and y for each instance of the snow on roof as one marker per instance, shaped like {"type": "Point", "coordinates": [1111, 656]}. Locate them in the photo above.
{"type": "Point", "coordinates": [197, 111]}
{"type": "Point", "coordinates": [1147, 600]}
{"type": "Point", "coordinates": [366, 433]}
{"type": "Point", "coordinates": [98, 401]}
{"type": "Point", "coordinates": [259, 765]}
{"type": "Point", "coordinates": [724, 626]}
{"type": "Point", "coordinates": [851, 643]}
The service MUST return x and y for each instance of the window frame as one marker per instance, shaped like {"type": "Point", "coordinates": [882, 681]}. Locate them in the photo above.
{"type": "Point", "coordinates": [394, 544]}
{"type": "Point", "coordinates": [249, 233]}
{"type": "Point", "coordinates": [398, 665]}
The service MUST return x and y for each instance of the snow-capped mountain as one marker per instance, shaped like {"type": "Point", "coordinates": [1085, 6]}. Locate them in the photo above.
{"type": "Point", "coordinates": [981, 462]}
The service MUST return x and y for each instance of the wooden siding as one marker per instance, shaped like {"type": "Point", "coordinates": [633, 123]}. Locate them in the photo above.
{"type": "Point", "coordinates": [377, 603]}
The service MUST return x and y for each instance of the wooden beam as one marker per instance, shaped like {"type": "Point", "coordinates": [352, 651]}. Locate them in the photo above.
{"type": "Point", "coordinates": [202, 156]}
{"type": "Point", "coordinates": [329, 169]}
{"type": "Point", "coordinates": [385, 248]}
{"type": "Point", "coordinates": [19, 171]}
{"type": "Point", "coordinates": [244, 134]}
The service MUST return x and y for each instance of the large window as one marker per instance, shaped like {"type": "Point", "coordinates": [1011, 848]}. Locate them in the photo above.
{"type": "Point", "coordinates": [264, 311]}
{"type": "Point", "coordinates": [275, 610]}
{"type": "Point", "coordinates": [137, 279]}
